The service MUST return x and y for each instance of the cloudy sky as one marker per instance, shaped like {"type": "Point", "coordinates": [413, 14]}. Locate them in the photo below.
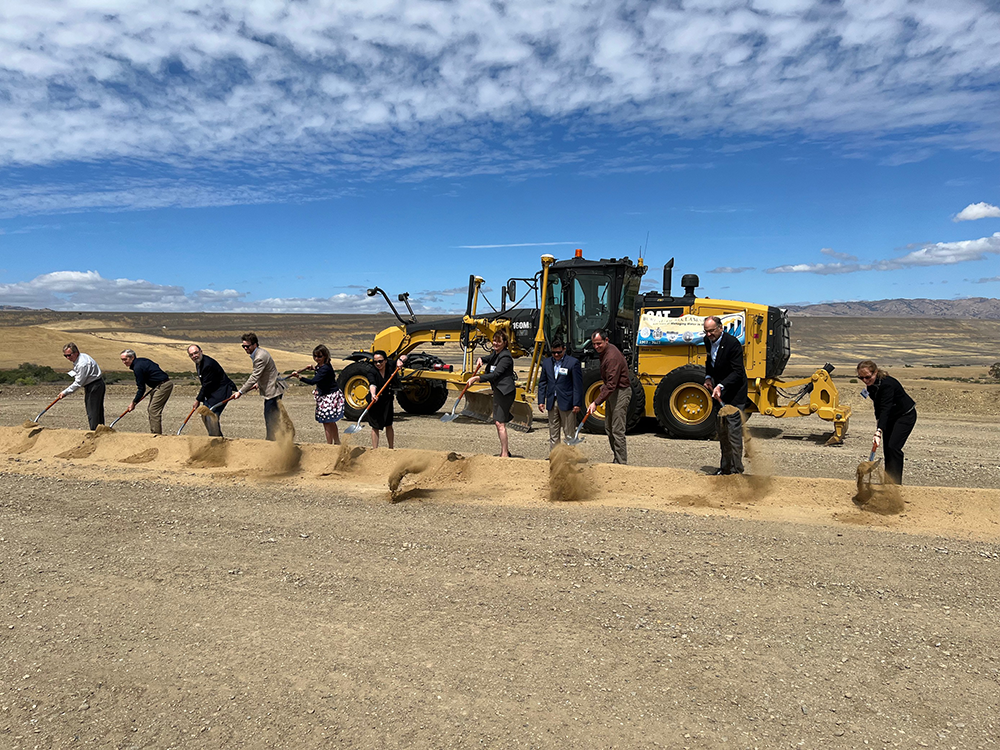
{"type": "Point", "coordinates": [284, 156]}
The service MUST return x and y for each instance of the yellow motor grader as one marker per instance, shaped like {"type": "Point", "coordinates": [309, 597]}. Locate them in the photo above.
{"type": "Point", "coordinates": [659, 334]}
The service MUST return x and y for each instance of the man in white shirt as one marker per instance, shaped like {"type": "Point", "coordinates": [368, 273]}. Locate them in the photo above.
{"type": "Point", "coordinates": [87, 375]}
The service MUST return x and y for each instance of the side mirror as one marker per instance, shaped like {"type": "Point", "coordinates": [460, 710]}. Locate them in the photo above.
{"type": "Point", "coordinates": [511, 290]}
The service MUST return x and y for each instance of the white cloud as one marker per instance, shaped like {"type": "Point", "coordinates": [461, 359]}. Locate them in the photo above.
{"type": "Point", "coordinates": [839, 256]}
{"type": "Point", "coordinates": [987, 280]}
{"type": "Point", "coordinates": [930, 254]}
{"type": "Point", "coordinates": [88, 290]}
{"type": "Point", "coordinates": [428, 88]}
{"type": "Point", "coordinates": [978, 211]}
{"type": "Point", "coordinates": [730, 269]}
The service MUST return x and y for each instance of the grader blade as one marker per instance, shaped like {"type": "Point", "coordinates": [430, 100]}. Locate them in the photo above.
{"type": "Point", "coordinates": [479, 406]}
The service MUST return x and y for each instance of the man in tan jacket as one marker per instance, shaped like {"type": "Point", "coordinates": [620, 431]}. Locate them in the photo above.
{"type": "Point", "coordinates": [265, 377]}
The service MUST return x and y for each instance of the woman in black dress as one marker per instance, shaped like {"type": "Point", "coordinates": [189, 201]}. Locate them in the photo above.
{"type": "Point", "coordinates": [895, 415]}
{"type": "Point", "coordinates": [380, 412]}
{"type": "Point", "coordinates": [329, 397]}
{"type": "Point", "coordinates": [499, 373]}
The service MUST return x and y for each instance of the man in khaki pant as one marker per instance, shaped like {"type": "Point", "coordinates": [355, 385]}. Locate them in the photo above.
{"type": "Point", "coordinates": [149, 375]}
{"type": "Point", "coordinates": [616, 394]}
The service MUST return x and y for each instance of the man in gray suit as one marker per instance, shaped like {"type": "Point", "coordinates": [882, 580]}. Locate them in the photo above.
{"type": "Point", "coordinates": [265, 377]}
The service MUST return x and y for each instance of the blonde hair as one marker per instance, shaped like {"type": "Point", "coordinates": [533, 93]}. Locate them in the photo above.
{"type": "Point", "coordinates": [870, 366]}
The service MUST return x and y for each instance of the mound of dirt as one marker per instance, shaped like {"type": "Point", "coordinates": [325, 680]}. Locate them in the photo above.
{"type": "Point", "coordinates": [143, 457]}
{"type": "Point", "coordinates": [567, 479]}
{"type": "Point", "coordinates": [347, 455]}
{"type": "Point", "coordinates": [436, 472]}
{"type": "Point", "coordinates": [29, 424]}
{"type": "Point", "coordinates": [209, 454]}
{"type": "Point", "coordinates": [83, 450]}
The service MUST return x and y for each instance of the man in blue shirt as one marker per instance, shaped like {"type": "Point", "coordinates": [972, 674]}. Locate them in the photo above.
{"type": "Point", "coordinates": [560, 391]}
{"type": "Point", "coordinates": [149, 375]}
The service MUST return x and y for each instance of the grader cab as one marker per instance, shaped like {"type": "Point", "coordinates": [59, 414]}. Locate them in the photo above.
{"type": "Point", "coordinates": [659, 334]}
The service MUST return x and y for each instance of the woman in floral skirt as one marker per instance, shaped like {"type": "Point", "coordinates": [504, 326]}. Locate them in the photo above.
{"type": "Point", "coordinates": [329, 397]}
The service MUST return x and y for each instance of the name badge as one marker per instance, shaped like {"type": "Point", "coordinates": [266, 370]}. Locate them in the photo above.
{"type": "Point", "coordinates": [562, 371]}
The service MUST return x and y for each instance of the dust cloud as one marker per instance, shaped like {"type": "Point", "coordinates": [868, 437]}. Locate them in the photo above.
{"type": "Point", "coordinates": [285, 455]}
{"type": "Point", "coordinates": [208, 454]}
{"type": "Point", "coordinates": [567, 480]}
{"type": "Point", "coordinates": [408, 465]}
{"type": "Point", "coordinates": [875, 495]}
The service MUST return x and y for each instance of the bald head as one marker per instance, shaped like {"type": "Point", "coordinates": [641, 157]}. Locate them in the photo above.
{"type": "Point", "coordinates": [194, 352]}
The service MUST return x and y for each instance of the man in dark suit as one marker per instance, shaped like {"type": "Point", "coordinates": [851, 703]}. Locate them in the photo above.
{"type": "Point", "coordinates": [726, 378]}
{"type": "Point", "coordinates": [560, 390]}
{"type": "Point", "coordinates": [216, 387]}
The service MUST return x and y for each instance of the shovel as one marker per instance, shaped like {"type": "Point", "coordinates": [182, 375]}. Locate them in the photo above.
{"type": "Point", "coordinates": [454, 413]}
{"type": "Point", "coordinates": [58, 398]}
{"type": "Point", "coordinates": [126, 411]}
{"type": "Point", "coordinates": [193, 409]}
{"type": "Point", "coordinates": [576, 439]}
{"type": "Point", "coordinates": [351, 429]}
{"type": "Point", "coordinates": [866, 474]}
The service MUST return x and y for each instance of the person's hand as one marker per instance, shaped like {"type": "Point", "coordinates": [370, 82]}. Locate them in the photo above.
{"type": "Point", "coordinates": [401, 359]}
{"type": "Point", "coordinates": [576, 409]}
{"type": "Point", "coordinates": [592, 408]}
{"type": "Point", "coordinates": [237, 394]}
{"type": "Point", "coordinates": [374, 399]}
{"type": "Point", "coordinates": [708, 384]}
{"type": "Point", "coordinates": [472, 381]}
{"type": "Point", "coordinates": [541, 408]}
{"type": "Point", "coordinates": [294, 374]}
{"type": "Point", "coordinates": [717, 393]}
{"type": "Point", "coordinates": [195, 404]}
{"type": "Point", "coordinates": [130, 407]}
{"type": "Point", "coordinates": [877, 440]}
{"type": "Point", "coordinates": [479, 363]}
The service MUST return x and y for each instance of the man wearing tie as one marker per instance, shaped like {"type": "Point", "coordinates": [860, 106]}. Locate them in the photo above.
{"type": "Point", "coordinates": [560, 391]}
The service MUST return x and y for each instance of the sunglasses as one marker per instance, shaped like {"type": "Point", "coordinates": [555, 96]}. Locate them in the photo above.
{"type": "Point", "coordinates": [245, 346]}
{"type": "Point", "coordinates": [558, 352]}
{"type": "Point", "coordinates": [379, 361]}
{"type": "Point", "coordinates": [68, 356]}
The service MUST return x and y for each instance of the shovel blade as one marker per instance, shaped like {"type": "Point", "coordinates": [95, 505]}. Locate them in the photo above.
{"type": "Point", "coordinates": [575, 440]}
{"type": "Point", "coordinates": [446, 418]}
{"type": "Point", "coordinates": [39, 415]}
{"type": "Point", "coordinates": [351, 429]}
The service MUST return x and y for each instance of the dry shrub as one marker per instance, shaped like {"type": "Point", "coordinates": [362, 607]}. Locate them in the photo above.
{"type": "Point", "coordinates": [567, 480]}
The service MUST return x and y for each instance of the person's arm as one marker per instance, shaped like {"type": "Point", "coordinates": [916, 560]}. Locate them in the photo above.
{"type": "Point", "coordinates": [501, 366]}
{"type": "Point", "coordinates": [614, 374]}
{"type": "Point", "coordinates": [140, 383]}
{"type": "Point", "coordinates": [885, 402]}
{"type": "Point", "coordinates": [543, 387]}
{"type": "Point", "coordinates": [76, 384]}
{"type": "Point", "coordinates": [577, 371]}
{"type": "Point", "coordinates": [258, 369]}
{"type": "Point", "coordinates": [735, 378]}
{"type": "Point", "coordinates": [205, 377]}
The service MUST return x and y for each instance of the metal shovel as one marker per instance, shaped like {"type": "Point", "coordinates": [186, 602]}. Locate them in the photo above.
{"type": "Point", "coordinates": [454, 410]}
{"type": "Point", "coordinates": [186, 420]}
{"type": "Point", "coordinates": [351, 429]}
{"type": "Point", "coordinates": [126, 411]}
{"type": "Point", "coordinates": [576, 439]}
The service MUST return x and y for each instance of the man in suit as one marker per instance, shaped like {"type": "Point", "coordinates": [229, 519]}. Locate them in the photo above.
{"type": "Point", "coordinates": [726, 378]}
{"type": "Point", "coordinates": [216, 387]}
{"type": "Point", "coordinates": [560, 390]}
{"type": "Point", "coordinates": [265, 377]}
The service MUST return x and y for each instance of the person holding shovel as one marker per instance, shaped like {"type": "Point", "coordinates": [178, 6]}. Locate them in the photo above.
{"type": "Point", "coordinates": [726, 379]}
{"type": "Point", "coordinates": [216, 387]}
{"type": "Point", "coordinates": [895, 415]}
{"type": "Point", "coordinates": [329, 397]}
{"type": "Point", "coordinates": [498, 371]}
{"type": "Point", "coordinates": [87, 375]}
{"type": "Point", "coordinates": [615, 394]}
{"type": "Point", "coordinates": [560, 391]}
{"type": "Point", "coordinates": [149, 375]}
{"type": "Point", "coordinates": [380, 413]}
{"type": "Point", "coordinates": [265, 377]}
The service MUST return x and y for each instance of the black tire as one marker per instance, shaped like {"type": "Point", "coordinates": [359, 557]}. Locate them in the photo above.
{"type": "Point", "coordinates": [683, 406]}
{"type": "Point", "coordinates": [354, 381]}
{"type": "Point", "coordinates": [420, 395]}
{"type": "Point", "coordinates": [592, 386]}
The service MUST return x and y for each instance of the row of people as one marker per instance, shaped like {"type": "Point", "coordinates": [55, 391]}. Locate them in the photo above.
{"type": "Point", "coordinates": [560, 393]}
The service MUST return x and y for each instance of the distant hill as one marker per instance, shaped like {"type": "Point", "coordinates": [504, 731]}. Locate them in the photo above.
{"type": "Point", "coordinates": [979, 308]}
{"type": "Point", "coordinates": [13, 307]}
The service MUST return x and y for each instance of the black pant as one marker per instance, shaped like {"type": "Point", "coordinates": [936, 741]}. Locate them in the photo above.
{"type": "Point", "coordinates": [213, 424]}
{"type": "Point", "coordinates": [731, 442]}
{"type": "Point", "coordinates": [93, 400]}
{"type": "Point", "coordinates": [893, 439]}
{"type": "Point", "coordinates": [271, 417]}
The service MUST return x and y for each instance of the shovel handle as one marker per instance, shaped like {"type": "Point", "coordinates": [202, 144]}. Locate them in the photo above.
{"type": "Point", "coordinates": [184, 424]}
{"type": "Point", "coordinates": [226, 401]}
{"type": "Point", "coordinates": [54, 402]}
{"type": "Point", "coordinates": [136, 404]}
{"type": "Point", "coordinates": [467, 383]}
{"type": "Point", "coordinates": [385, 385]}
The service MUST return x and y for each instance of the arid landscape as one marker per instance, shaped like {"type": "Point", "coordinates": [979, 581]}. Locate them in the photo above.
{"type": "Point", "coordinates": [165, 591]}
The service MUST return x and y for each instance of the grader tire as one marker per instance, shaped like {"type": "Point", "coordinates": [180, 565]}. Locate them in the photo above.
{"type": "Point", "coordinates": [592, 386]}
{"type": "Point", "coordinates": [683, 406]}
{"type": "Point", "coordinates": [420, 396]}
{"type": "Point", "coordinates": [354, 382]}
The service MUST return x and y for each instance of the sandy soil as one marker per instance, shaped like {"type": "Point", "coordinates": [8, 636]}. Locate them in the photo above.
{"type": "Point", "coordinates": [164, 591]}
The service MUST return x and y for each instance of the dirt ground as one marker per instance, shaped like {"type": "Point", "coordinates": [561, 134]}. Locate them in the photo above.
{"type": "Point", "coordinates": [182, 591]}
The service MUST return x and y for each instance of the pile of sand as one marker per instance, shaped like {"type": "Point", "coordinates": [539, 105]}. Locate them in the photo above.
{"type": "Point", "coordinates": [206, 454]}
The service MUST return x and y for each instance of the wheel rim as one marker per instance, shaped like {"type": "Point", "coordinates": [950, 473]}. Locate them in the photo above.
{"type": "Point", "coordinates": [356, 392]}
{"type": "Point", "coordinates": [591, 395]}
{"type": "Point", "coordinates": [691, 404]}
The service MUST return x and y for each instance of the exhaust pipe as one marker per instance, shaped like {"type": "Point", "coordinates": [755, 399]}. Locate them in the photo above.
{"type": "Point", "coordinates": [668, 268]}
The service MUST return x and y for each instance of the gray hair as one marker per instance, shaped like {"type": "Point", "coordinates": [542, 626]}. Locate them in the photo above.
{"type": "Point", "coordinates": [193, 346]}
{"type": "Point", "coordinates": [128, 353]}
{"type": "Point", "coordinates": [72, 347]}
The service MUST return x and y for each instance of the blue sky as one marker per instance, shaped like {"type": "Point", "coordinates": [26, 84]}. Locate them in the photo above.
{"type": "Point", "coordinates": [266, 156]}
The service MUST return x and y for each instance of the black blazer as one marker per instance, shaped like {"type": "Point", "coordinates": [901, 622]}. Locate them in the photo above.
{"type": "Point", "coordinates": [498, 371]}
{"type": "Point", "coordinates": [215, 384]}
{"type": "Point", "coordinates": [728, 370]}
{"type": "Point", "coordinates": [890, 401]}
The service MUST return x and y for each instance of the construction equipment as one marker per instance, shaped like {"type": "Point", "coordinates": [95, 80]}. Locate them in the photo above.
{"type": "Point", "coordinates": [660, 335]}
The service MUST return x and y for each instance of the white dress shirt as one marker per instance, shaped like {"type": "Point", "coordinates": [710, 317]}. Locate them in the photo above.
{"type": "Point", "coordinates": [84, 372]}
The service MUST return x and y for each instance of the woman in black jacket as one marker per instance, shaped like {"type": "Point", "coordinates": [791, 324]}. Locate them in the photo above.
{"type": "Point", "coordinates": [329, 397]}
{"type": "Point", "coordinates": [895, 415]}
{"type": "Point", "coordinates": [499, 373]}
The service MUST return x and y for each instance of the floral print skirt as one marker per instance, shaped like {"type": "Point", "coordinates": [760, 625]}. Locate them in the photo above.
{"type": "Point", "coordinates": [329, 408]}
